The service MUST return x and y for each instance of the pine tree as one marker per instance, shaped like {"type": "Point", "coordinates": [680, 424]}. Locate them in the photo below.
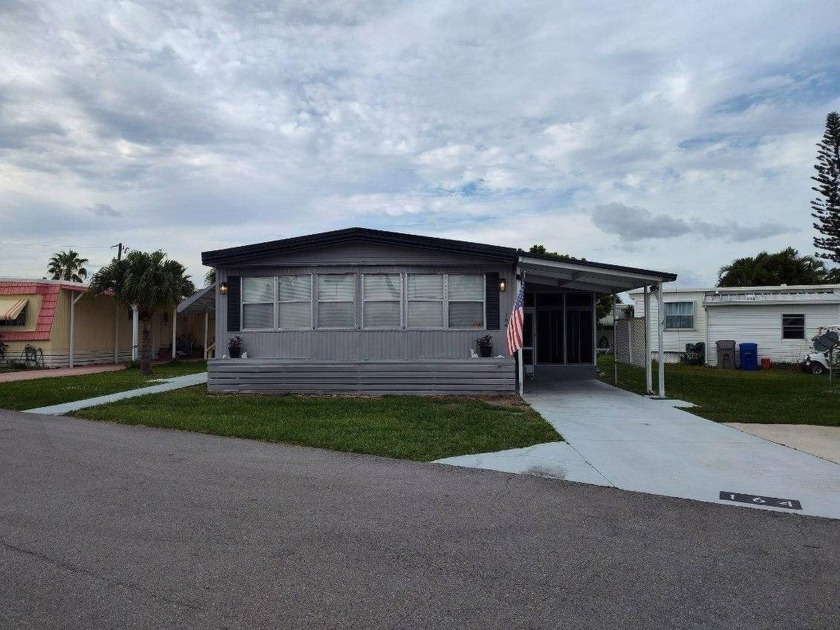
{"type": "Point", "coordinates": [826, 207]}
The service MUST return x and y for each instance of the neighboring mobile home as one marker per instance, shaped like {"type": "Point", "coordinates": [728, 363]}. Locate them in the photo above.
{"type": "Point", "coordinates": [361, 310]}
{"type": "Point", "coordinates": [781, 320]}
{"type": "Point", "coordinates": [42, 313]}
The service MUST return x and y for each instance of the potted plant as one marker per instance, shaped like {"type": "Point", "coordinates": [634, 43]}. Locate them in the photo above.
{"type": "Point", "coordinates": [235, 347]}
{"type": "Point", "coordinates": [485, 345]}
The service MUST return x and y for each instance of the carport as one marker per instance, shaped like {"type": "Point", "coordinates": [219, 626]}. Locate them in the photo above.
{"type": "Point", "coordinates": [559, 332]}
{"type": "Point", "coordinates": [201, 302]}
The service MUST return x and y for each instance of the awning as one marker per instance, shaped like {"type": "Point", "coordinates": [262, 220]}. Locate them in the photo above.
{"type": "Point", "coordinates": [202, 301]}
{"type": "Point", "coordinates": [10, 308]}
{"type": "Point", "coordinates": [587, 276]}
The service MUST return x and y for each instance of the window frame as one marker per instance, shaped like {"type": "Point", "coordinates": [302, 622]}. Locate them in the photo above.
{"type": "Point", "coordinates": [316, 301]}
{"type": "Point", "coordinates": [693, 316]}
{"type": "Point", "coordinates": [804, 327]}
{"type": "Point", "coordinates": [278, 301]}
{"type": "Point", "coordinates": [441, 300]}
{"type": "Point", "coordinates": [401, 300]}
{"type": "Point", "coordinates": [242, 304]}
{"type": "Point", "coordinates": [445, 301]}
{"type": "Point", "coordinates": [483, 284]}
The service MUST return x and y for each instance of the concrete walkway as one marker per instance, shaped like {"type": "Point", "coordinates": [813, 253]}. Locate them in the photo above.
{"type": "Point", "coordinates": [821, 441]}
{"type": "Point", "coordinates": [630, 442]}
{"type": "Point", "coordinates": [166, 385]}
{"type": "Point", "coordinates": [30, 375]}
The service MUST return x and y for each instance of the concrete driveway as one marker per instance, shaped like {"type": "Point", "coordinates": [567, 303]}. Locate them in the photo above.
{"type": "Point", "coordinates": [631, 442]}
{"type": "Point", "coordinates": [110, 526]}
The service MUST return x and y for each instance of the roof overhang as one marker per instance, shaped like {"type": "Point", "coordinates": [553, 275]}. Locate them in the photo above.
{"type": "Point", "coordinates": [249, 253]}
{"type": "Point", "coordinates": [582, 275]}
{"type": "Point", "coordinates": [202, 301]}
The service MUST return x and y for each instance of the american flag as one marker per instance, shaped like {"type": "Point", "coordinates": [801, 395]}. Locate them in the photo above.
{"type": "Point", "coordinates": [514, 327]}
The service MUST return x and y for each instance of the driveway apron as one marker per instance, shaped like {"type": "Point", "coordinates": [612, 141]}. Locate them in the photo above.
{"type": "Point", "coordinates": [635, 443]}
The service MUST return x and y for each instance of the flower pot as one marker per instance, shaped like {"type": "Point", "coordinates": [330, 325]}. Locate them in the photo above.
{"type": "Point", "coordinates": [235, 353]}
{"type": "Point", "coordinates": [485, 351]}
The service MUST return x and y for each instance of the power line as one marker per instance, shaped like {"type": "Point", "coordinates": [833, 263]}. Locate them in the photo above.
{"type": "Point", "coordinates": [55, 245]}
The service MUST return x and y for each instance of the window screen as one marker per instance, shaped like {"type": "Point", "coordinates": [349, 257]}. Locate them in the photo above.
{"type": "Point", "coordinates": [257, 303]}
{"type": "Point", "coordinates": [425, 300]}
{"type": "Point", "coordinates": [382, 297]}
{"type": "Point", "coordinates": [793, 326]}
{"type": "Point", "coordinates": [466, 301]}
{"type": "Point", "coordinates": [294, 302]}
{"type": "Point", "coordinates": [336, 301]}
{"type": "Point", "coordinates": [679, 315]}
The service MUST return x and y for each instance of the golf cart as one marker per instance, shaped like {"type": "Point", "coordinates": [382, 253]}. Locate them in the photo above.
{"type": "Point", "coordinates": [826, 346]}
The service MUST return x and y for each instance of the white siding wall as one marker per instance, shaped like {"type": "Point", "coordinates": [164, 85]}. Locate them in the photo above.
{"type": "Point", "coordinates": [674, 340]}
{"type": "Point", "coordinates": [762, 324]}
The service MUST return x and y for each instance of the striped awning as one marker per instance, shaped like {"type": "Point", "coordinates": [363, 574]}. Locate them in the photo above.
{"type": "Point", "coordinates": [10, 308]}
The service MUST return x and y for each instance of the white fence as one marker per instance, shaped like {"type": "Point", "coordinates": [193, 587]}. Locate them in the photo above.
{"type": "Point", "coordinates": [630, 341]}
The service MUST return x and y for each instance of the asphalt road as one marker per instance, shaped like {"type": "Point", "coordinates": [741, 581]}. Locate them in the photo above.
{"type": "Point", "coordinates": [110, 526]}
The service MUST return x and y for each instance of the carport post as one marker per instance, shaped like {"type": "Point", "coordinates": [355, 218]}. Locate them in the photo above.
{"type": "Point", "coordinates": [648, 363]}
{"type": "Point", "coordinates": [206, 330]}
{"type": "Point", "coordinates": [135, 332]}
{"type": "Point", "coordinates": [73, 326]}
{"type": "Point", "coordinates": [174, 330]}
{"type": "Point", "coordinates": [520, 366]}
{"type": "Point", "coordinates": [660, 312]}
{"type": "Point", "coordinates": [116, 332]}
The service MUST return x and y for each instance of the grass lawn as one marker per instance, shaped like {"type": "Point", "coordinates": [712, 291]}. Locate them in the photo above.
{"type": "Point", "coordinates": [42, 392]}
{"type": "Point", "coordinates": [405, 427]}
{"type": "Point", "coordinates": [773, 396]}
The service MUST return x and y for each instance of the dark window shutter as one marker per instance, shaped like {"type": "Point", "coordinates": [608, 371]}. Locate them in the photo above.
{"type": "Point", "coordinates": [491, 293]}
{"type": "Point", "coordinates": [234, 297]}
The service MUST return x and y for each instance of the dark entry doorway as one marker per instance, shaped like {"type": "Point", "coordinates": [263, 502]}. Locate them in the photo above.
{"type": "Point", "coordinates": [564, 328]}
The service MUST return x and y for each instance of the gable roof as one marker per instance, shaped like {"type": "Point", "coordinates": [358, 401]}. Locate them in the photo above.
{"type": "Point", "coordinates": [246, 253]}
{"type": "Point", "coordinates": [545, 268]}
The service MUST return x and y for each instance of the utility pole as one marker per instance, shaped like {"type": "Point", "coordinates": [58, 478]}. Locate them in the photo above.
{"type": "Point", "coordinates": [119, 250]}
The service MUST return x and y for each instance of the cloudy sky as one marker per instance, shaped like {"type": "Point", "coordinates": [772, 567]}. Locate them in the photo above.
{"type": "Point", "coordinates": [673, 135]}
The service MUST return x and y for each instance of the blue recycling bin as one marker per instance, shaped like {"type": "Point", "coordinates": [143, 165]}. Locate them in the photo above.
{"type": "Point", "coordinates": [749, 356]}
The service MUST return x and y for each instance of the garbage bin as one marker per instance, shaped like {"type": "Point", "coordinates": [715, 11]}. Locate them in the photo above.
{"type": "Point", "coordinates": [726, 354]}
{"type": "Point", "coordinates": [695, 353]}
{"type": "Point", "coordinates": [749, 356]}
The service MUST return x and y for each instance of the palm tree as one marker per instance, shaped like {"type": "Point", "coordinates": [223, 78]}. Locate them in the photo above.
{"type": "Point", "coordinates": [147, 281]}
{"type": "Point", "coordinates": [784, 267]}
{"type": "Point", "coordinates": [68, 266]}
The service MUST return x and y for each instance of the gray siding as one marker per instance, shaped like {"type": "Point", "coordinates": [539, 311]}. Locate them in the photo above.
{"type": "Point", "coordinates": [365, 345]}
{"type": "Point", "coordinates": [359, 344]}
{"type": "Point", "coordinates": [364, 361]}
{"type": "Point", "coordinates": [471, 376]}
{"type": "Point", "coordinates": [366, 254]}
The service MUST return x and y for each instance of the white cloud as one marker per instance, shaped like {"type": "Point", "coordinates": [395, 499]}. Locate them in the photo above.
{"type": "Point", "coordinates": [212, 123]}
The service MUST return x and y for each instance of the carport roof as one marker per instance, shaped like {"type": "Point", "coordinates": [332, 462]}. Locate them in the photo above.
{"type": "Point", "coordinates": [201, 301]}
{"type": "Point", "coordinates": [583, 275]}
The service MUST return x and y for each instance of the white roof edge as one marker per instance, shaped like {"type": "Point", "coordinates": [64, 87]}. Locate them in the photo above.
{"type": "Point", "coordinates": [69, 284]}
{"type": "Point", "coordinates": [603, 268]}
{"type": "Point", "coordinates": [765, 289]}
